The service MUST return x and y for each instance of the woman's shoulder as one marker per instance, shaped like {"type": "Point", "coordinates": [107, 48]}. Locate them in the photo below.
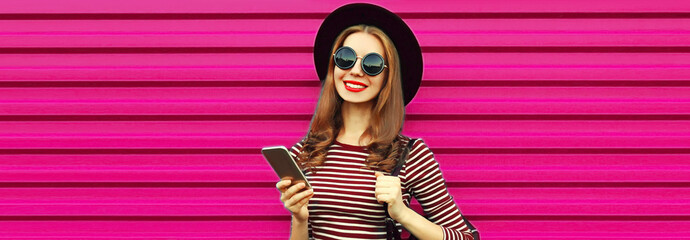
{"type": "Point", "coordinates": [420, 162]}
{"type": "Point", "coordinates": [404, 139]}
{"type": "Point", "coordinates": [418, 142]}
{"type": "Point", "coordinates": [419, 150]}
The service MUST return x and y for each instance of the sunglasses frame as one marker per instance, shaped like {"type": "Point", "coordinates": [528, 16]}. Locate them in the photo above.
{"type": "Point", "coordinates": [361, 62]}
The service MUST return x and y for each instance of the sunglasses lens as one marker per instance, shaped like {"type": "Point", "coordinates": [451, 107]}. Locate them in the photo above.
{"type": "Point", "coordinates": [372, 64]}
{"type": "Point", "coordinates": [345, 58]}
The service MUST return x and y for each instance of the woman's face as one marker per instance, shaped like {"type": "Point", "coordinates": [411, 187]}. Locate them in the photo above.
{"type": "Point", "coordinates": [353, 84]}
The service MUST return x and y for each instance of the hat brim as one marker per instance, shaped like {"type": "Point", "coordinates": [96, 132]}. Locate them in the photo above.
{"type": "Point", "coordinates": [409, 52]}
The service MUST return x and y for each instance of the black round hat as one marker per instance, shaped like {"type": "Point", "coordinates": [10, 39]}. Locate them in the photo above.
{"type": "Point", "coordinates": [411, 65]}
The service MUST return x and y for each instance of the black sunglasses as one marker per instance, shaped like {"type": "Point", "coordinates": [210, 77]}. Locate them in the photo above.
{"type": "Point", "coordinates": [372, 63]}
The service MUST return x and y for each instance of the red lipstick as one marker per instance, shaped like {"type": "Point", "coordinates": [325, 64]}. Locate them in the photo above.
{"type": "Point", "coordinates": [354, 83]}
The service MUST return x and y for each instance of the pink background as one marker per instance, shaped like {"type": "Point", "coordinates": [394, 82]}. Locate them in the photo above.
{"type": "Point", "coordinates": [144, 119]}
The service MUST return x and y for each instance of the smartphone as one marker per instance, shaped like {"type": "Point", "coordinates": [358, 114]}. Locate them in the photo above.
{"type": "Point", "coordinates": [283, 164]}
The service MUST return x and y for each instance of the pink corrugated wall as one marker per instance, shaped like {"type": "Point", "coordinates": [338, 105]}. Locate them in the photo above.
{"type": "Point", "coordinates": [144, 119]}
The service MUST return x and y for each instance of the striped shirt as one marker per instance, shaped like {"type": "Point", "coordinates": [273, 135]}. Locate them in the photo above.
{"type": "Point", "coordinates": [344, 205]}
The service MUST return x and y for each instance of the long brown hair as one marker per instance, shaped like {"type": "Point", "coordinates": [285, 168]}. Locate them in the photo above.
{"type": "Point", "coordinates": [387, 114]}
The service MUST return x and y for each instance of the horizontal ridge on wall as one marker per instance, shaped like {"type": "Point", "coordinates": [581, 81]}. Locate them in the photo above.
{"type": "Point", "coordinates": [307, 117]}
{"type": "Point", "coordinates": [463, 150]}
{"type": "Point", "coordinates": [426, 49]}
{"type": "Point", "coordinates": [271, 185]}
{"type": "Point", "coordinates": [168, 218]}
{"type": "Point", "coordinates": [313, 83]}
{"type": "Point", "coordinates": [404, 15]}
{"type": "Point", "coordinates": [198, 159]}
{"type": "Point", "coordinates": [299, 34]}
{"type": "Point", "coordinates": [306, 6]}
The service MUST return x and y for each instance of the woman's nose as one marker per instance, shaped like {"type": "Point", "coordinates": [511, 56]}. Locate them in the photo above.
{"type": "Point", "coordinates": [357, 68]}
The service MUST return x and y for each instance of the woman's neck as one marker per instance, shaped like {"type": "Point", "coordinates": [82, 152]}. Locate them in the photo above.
{"type": "Point", "coordinates": [356, 120]}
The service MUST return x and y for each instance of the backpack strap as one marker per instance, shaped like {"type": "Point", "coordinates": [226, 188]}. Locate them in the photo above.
{"type": "Point", "coordinates": [391, 231]}
{"type": "Point", "coordinates": [403, 157]}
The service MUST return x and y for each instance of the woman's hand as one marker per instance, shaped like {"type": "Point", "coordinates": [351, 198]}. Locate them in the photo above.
{"type": "Point", "coordinates": [388, 190]}
{"type": "Point", "coordinates": [294, 200]}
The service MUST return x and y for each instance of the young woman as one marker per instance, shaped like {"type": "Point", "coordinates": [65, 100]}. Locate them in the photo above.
{"type": "Point", "coordinates": [370, 65]}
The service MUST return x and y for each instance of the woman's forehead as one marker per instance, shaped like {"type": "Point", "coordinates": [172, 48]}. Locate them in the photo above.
{"type": "Point", "coordinates": [364, 43]}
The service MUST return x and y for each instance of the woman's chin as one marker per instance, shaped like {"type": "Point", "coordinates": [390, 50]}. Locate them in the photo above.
{"type": "Point", "coordinates": [353, 99]}
{"type": "Point", "coordinates": [356, 101]}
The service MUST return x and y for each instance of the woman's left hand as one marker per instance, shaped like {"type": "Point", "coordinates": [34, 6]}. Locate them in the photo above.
{"type": "Point", "coordinates": [388, 190]}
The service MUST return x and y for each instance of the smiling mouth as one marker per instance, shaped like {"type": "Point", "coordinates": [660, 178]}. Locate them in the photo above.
{"type": "Point", "coordinates": [354, 86]}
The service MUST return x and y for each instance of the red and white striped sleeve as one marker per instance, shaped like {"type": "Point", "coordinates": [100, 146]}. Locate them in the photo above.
{"type": "Point", "coordinates": [426, 183]}
{"type": "Point", "coordinates": [296, 149]}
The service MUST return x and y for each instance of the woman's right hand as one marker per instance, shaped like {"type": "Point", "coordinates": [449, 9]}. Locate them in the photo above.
{"type": "Point", "coordinates": [294, 200]}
